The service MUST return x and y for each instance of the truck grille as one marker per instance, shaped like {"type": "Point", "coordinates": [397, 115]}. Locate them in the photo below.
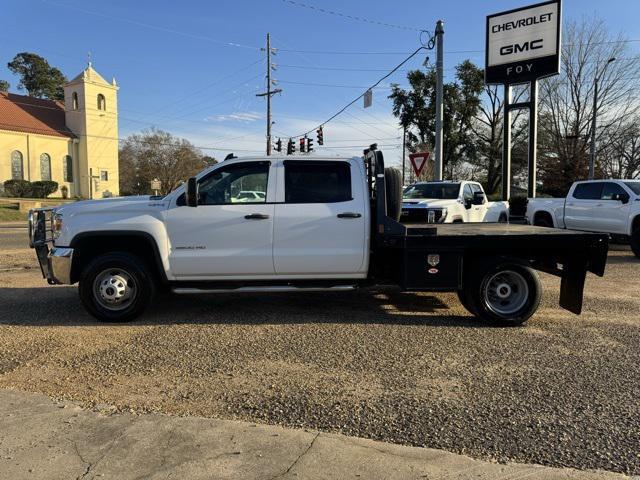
{"type": "Point", "coordinates": [421, 215]}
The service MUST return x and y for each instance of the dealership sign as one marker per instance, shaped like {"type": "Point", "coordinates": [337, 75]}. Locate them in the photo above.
{"type": "Point", "coordinates": [523, 44]}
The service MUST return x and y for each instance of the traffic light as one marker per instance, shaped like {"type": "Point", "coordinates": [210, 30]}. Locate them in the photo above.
{"type": "Point", "coordinates": [279, 145]}
{"type": "Point", "coordinates": [309, 144]}
{"type": "Point", "coordinates": [320, 136]}
{"type": "Point", "coordinates": [303, 144]}
{"type": "Point", "coordinates": [291, 147]}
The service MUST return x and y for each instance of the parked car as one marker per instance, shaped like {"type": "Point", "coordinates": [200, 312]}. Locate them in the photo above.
{"type": "Point", "coordinates": [249, 196]}
{"type": "Point", "coordinates": [608, 206]}
{"type": "Point", "coordinates": [450, 202]}
{"type": "Point", "coordinates": [325, 224]}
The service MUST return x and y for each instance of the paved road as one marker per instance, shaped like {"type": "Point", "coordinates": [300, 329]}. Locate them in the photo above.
{"type": "Point", "coordinates": [411, 369]}
{"type": "Point", "coordinates": [12, 238]}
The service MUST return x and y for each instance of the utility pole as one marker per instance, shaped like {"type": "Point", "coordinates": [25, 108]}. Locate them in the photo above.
{"type": "Point", "coordinates": [404, 156]}
{"type": "Point", "coordinates": [439, 98]}
{"type": "Point", "coordinates": [269, 92]}
{"type": "Point", "coordinates": [592, 153]}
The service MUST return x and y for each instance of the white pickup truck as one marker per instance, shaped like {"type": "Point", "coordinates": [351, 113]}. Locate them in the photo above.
{"type": "Point", "coordinates": [324, 224]}
{"type": "Point", "coordinates": [450, 202]}
{"type": "Point", "coordinates": [607, 206]}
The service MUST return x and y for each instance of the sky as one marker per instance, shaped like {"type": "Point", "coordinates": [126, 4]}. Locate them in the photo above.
{"type": "Point", "coordinates": [193, 67]}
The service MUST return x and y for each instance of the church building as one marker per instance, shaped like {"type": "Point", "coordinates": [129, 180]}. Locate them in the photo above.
{"type": "Point", "coordinates": [74, 143]}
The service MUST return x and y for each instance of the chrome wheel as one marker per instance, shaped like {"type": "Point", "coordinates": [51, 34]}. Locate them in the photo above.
{"type": "Point", "coordinates": [114, 289]}
{"type": "Point", "coordinates": [506, 293]}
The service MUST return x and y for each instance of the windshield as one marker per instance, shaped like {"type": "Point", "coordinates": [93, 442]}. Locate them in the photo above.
{"type": "Point", "coordinates": [444, 191]}
{"type": "Point", "coordinates": [635, 186]}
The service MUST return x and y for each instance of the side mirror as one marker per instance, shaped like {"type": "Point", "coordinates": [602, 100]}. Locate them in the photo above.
{"type": "Point", "coordinates": [621, 197]}
{"type": "Point", "coordinates": [467, 203]}
{"type": "Point", "coordinates": [192, 192]}
{"type": "Point", "coordinates": [478, 198]}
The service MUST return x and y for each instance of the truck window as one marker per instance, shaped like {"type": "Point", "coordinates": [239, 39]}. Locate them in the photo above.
{"type": "Point", "coordinates": [444, 191]}
{"type": "Point", "coordinates": [634, 186]}
{"type": "Point", "coordinates": [467, 193]}
{"type": "Point", "coordinates": [588, 191]}
{"type": "Point", "coordinates": [316, 182]}
{"type": "Point", "coordinates": [610, 189]}
{"type": "Point", "coordinates": [230, 184]}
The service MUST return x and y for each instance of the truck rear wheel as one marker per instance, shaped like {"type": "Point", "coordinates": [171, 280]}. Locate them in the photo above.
{"type": "Point", "coordinates": [116, 287]}
{"type": "Point", "coordinates": [635, 242]}
{"type": "Point", "coordinates": [504, 293]}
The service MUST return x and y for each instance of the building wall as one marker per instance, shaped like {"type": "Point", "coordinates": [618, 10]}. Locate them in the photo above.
{"type": "Point", "coordinates": [32, 146]}
{"type": "Point", "coordinates": [97, 132]}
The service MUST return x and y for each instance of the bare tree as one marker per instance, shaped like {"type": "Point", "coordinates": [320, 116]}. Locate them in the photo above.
{"type": "Point", "coordinates": [488, 131]}
{"type": "Point", "coordinates": [620, 152]}
{"type": "Point", "coordinates": [157, 154]}
{"type": "Point", "coordinates": [566, 101]}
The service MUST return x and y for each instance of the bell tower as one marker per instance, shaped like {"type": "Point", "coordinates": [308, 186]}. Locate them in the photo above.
{"type": "Point", "coordinates": [91, 113]}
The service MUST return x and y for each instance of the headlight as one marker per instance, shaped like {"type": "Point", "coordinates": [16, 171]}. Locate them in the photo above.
{"type": "Point", "coordinates": [56, 226]}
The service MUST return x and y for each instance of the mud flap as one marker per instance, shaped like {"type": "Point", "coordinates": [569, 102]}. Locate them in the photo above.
{"type": "Point", "coordinates": [574, 273]}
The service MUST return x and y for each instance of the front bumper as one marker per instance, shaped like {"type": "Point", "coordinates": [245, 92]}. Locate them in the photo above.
{"type": "Point", "coordinates": [55, 263]}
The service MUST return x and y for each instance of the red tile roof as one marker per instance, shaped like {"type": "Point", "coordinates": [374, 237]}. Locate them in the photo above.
{"type": "Point", "coordinates": [19, 113]}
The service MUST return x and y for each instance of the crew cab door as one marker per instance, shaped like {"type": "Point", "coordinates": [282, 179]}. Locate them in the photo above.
{"type": "Point", "coordinates": [321, 219]}
{"type": "Point", "coordinates": [472, 213]}
{"type": "Point", "coordinates": [579, 205]}
{"type": "Point", "coordinates": [227, 235]}
{"type": "Point", "coordinates": [611, 215]}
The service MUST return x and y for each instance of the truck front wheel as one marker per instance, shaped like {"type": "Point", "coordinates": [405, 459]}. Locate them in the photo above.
{"type": "Point", "coordinates": [505, 293]}
{"type": "Point", "coordinates": [116, 287]}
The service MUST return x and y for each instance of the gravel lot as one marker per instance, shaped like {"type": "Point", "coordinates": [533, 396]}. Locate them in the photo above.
{"type": "Point", "coordinates": [408, 368]}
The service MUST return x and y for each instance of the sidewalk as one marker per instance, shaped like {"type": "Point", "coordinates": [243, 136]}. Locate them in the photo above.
{"type": "Point", "coordinates": [41, 439]}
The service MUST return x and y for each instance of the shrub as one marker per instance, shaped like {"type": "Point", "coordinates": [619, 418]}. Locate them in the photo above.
{"type": "Point", "coordinates": [518, 205]}
{"type": "Point", "coordinates": [18, 188]}
{"type": "Point", "coordinates": [44, 188]}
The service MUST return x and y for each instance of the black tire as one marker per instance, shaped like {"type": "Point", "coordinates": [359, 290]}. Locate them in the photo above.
{"type": "Point", "coordinates": [466, 302]}
{"type": "Point", "coordinates": [487, 283]}
{"type": "Point", "coordinates": [116, 287]}
{"type": "Point", "coordinates": [503, 218]}
{"type": "Point", "coordinates": [393, 187]}
{"type": "Point", "coordinates": [635, 242]}
{"type": "Point", "coordinates": [543, 221]}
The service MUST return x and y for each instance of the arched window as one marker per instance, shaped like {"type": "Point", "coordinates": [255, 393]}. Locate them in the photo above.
{"type": "Point", "coordinates": [67, 168]}
{"type": "Point", "coordinates": [102, 103]}
{"type": "Point", "coordinates": [74, 101]}
{"type": "Point", "coordinates": [45, 167]}
{"type": "Point", "coordinates": [17, 170]}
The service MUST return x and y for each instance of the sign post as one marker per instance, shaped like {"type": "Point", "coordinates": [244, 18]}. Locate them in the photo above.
{"type": "Point", "coordinates": [418, 162]}
{"type": "Point", "coordinates": [523, 45]}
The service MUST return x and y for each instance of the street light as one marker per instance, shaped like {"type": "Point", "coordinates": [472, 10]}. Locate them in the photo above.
{"type": "Point", "coordinates": [592, 159]}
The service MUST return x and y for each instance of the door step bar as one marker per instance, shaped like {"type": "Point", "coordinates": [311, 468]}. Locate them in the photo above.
{"type": "Point", "coordinates": [264, 289]}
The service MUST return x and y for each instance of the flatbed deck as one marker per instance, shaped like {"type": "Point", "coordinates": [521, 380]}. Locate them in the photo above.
{"type": "Point", "coordinates": [492, 229]}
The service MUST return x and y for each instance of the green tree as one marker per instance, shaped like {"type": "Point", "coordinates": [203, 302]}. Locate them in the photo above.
{"type": "Point", "coordinates": [37, 77]}
{"type": "Point", "coordinates": [4, 86]}
{"type": "Point", "coordinates": [415, 109]}
{"type": "Point", "coordinates": [156, 154]}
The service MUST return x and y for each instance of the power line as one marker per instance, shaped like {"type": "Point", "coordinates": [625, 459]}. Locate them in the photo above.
{"type": "Point", "coordinates": [330, 85]}
{"type": "Point", "coordinates": [150, 26]}
{"type": "Point", "coordinates": [363, 93]}
{"type": "Point", "coordinates": [350, 17]}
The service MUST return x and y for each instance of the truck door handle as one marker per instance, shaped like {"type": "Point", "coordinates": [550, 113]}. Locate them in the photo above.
{"type": "Point", "coordinates": [349, 215]}
{"type": "Point", "coordinates": [256, 216]}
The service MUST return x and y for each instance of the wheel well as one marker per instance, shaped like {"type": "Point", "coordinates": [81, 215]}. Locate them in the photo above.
{"type": "Point", "coordinates": [88, 246]}
{"type": "Point", "coordinates": [635, 225]}
{"type": "Point", "coordinates": [542, 215]}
